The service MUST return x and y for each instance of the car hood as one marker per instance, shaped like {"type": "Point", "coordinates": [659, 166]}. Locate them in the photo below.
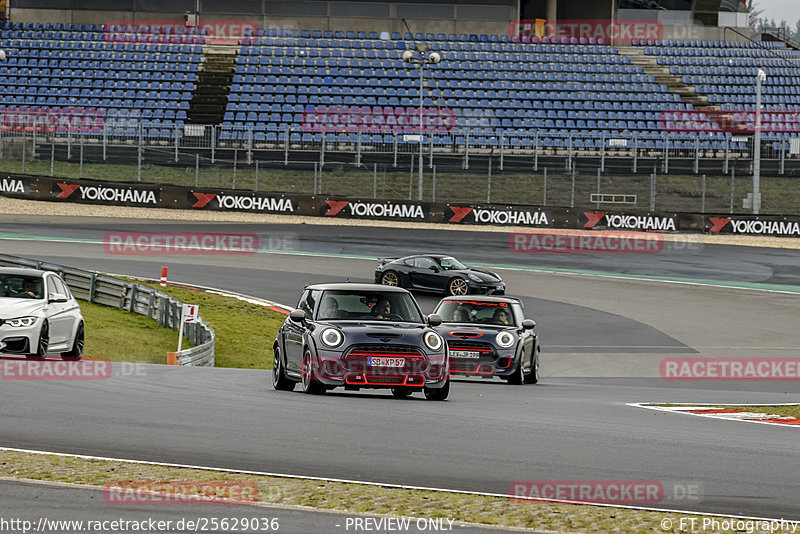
{"type": "Point", "coordinates": [11, 307]}
{"type": "Point", "coordinates": [483, 274]}
{"type": "Point", "coordinates": [448, 329]}
{"type": "Point", "coordinates": [379, 331]}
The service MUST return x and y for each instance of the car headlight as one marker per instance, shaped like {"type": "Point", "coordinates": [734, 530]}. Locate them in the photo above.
{"type": "Point", "coordinates": [505, 339]}
{"type": "Point", "coordinates": [474, 278]}
{"type": "Point", "coordinates": [332, 337]}
{"type": "Point", "coordinates": [21, 322]}
{"type": "Point", "coordinates": [433, 341]}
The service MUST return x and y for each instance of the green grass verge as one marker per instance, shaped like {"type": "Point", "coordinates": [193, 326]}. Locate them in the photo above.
{"type": "Point", "coordinates": [245, 331]}
{"type": "Point", "coordinates": [122, 336]}
{"type": "Point", "coordinates": [359, 498]}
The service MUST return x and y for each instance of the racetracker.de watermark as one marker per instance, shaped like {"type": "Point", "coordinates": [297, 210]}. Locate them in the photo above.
{"type": "Point", "coordinates": [618, 31]}
{"type": "Point", "coordinates": [169, 31]}
{"type": "Point", "coordinates": [624, 492]}
{"type": "Point", "coordinates": [180, 243]}
{"type": "Point", "coordinates": [695, 368]}
{"type": "Point", "coordinates": [51, 120]}
{"type": "Point", "coordinates": [180, 493]}
{"type": "Point", "coordinates": [597, 242]}
{"type": "Point", "coordinates": [86, 369]}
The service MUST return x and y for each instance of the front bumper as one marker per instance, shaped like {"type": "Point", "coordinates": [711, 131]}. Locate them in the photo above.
{"type": "Point", "coordinates": [490, 362]}
{"type": "Point", "coordinates": [352, 369]}
{"type": "Point", "coordinates": [487, 288]}
{"type": "Point", "coordinates": [19, 340]}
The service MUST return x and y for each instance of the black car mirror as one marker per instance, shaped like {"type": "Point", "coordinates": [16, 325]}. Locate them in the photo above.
{"type": "Point", "coordinates": [297, 316]}
{"type": "Point", "coordinates": [434, 319]}
{"type": "Point", "coordinates": [434, 268]}
{"type": "Point", "coordinates": [528, 324]}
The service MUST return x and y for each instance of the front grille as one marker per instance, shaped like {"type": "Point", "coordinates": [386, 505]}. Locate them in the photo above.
{"type": "Point", "coordinates": [357, 359]}
{"type": "Point", "coordinates": [386, 349]}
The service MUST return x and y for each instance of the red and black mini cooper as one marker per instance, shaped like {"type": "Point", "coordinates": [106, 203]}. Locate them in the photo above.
{"type": "Point", "coordinates": [489, 336]}
{"type": "Point", "coordinates": [360, 336]}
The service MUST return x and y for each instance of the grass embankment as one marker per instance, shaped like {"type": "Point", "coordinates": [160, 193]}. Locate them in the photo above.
{"type": "Point", "coordinates": [126, 337]}
{"type": "Point", "coordinates": [358, 498]}
{"type": "Point", "coordinates": [674, 192]}
{"type": "Point", "coordinates": [244, 331]}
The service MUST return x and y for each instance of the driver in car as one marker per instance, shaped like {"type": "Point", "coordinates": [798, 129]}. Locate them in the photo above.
{"type": "Point", "coordinates": [383, 309]}
{"type": "Point", "coordinates": [500, 317]}
{"type": "Point", "coordinates": [29, 289]}
{"type": "Point", "coordinates": [330, 309]}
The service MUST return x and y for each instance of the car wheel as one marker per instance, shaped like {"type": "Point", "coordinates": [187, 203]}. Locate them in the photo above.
{"type": "Point", "coordinates": [533, 377]}
{"type": "Point", "coordinates": [390, 278]}
{"type": "Point", "coordinates": [401, 392]}
{"type": "Point", "coordinates": [279, 380]}
{"type": "Point", "coordinates": [518, 376]}
{"type": "Point", "coordinates": [44, 342]}
{"type": "Point", "coordinates": [438, 394]}
{"type": "Point", "coordinates": [458, 286]}
{"type": "Point", "coordinates": [310, 385]}
{"type": "Point", "coordinates": [76, 352]}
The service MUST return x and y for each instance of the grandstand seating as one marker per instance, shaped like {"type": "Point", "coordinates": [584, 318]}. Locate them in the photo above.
{"type": "Point", "coordinates": [497, 89]}
{"type": "Point", "coordinates": [55, 66]}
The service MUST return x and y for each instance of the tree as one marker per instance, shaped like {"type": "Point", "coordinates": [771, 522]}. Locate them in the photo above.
{"type": "Point", "coordinates": [797, 31]}
{"type": "Point", "coordinates": [754, 15]}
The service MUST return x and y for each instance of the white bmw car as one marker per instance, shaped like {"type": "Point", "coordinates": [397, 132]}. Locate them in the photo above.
{"type": "Point", "coordinates": [38, 315]}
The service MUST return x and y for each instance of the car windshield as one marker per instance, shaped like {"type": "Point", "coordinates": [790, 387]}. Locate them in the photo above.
{"type": "Point", "coordinates": [476, 312]}
{"type": "Point", "coordinates": [450, 264]}
{"type": "Point", "coordinates": [369, 305]}
{"type": "Point", "coordinates": [18, 286]}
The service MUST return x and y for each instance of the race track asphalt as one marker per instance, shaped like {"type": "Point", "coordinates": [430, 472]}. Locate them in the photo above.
{"type": "Point", "coordinates": [603, 338]}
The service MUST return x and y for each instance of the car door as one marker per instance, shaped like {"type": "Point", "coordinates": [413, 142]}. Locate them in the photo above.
{"type": "Point", "coordinates": [426, 273]}
{"type": "Point", "coordinates": [527, 336]}
{"type": "Point", "coordinates": [293, 331]}
{"type": "Point", "coordinates": [58, 313]}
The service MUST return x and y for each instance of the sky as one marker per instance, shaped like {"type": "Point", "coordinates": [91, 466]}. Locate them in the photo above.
{"type": "Point", "coordinates": [781, 10]}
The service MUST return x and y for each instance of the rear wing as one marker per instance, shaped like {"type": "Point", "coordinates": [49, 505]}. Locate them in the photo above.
{"type": "Point", "coordinates": [384, 261]}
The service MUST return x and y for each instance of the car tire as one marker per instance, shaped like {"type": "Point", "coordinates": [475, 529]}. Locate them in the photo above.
{"type": "Point", "coordinates": [402, 392]}
{"type": "Point", "coordinates": [42, 344]}
{"type": "Point", "coordinates": [310, 385]}
{"type": "Point", "coordinates": [390, 278]}
{"type": "Point", "coordinates": [533, 376]}
{"type": "Point", "coordinates": [439, 394]}
{"type": "Point", "coordinates": [518, 376]}
{"type": "Point", "coordinates": [279, 380]}
{"type": "Point", "coordinates": [457, 286]}
{"type": "Point", "coordinates": [76, 352]}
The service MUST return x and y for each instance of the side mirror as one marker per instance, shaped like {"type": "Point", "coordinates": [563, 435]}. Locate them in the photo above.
{"type": "Point", "coordinates": [434, 319]}
{"type": "Point", "coordinates": [298, 316]}
{"type": "Point", "coordinates": [528, 324]}
{"type": "Point", "coordinates": [57, 297]}
{"type": "Point", "coordinates": [434, 268]}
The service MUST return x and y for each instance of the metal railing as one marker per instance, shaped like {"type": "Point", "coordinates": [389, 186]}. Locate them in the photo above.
{"type": "Point", "coordinates": [102, 289]}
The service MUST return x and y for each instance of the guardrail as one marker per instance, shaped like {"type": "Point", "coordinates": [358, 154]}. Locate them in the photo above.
{"type": "Point", "coordinates": [135, 298]}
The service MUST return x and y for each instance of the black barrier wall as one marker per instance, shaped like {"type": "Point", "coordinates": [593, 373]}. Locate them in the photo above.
{"type": "Point", "coordinates": [175, 197]}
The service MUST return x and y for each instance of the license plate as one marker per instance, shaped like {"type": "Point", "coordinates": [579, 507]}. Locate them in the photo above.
{"type": "Point", "coordinates": [386, 362]}
{"type": "Point", "coordinates": [464, 354]}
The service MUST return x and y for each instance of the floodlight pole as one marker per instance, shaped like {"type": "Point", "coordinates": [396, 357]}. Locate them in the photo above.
{"type": "Point", "coordinates": [421, 60]}
{"type": "Point", "coordinates": [760, 77]}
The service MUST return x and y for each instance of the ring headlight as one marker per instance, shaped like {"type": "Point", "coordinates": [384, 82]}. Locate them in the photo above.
{"type": "Point", "coordinates": [332, 337]}
{"type": "Point", "coordinates": [505, 339]}
{"type": "Point", "coordinates": [433, 341]}
{"type": "Point", "coordinates": [21, 322]}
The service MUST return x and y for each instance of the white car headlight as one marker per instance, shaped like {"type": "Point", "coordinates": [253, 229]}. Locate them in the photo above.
{"type": "Point", "coordinates": [332, 337]}
{"type": "Point", "coordinates": [474, 278]}
{"type": "Point", "coordinates": [505, 339]}
{"type": "Point", "coordinates": [433, 341]}
{"type": "Point", "coordinates": [21, 322]}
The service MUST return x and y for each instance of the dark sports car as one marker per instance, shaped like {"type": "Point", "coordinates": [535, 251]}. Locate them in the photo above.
{"type": "Point", "coordinates": [488, 337]}
{"type": "Point", "coordinates": [360, 336]}
{"type": "Point", "coordinates": [439, 273]}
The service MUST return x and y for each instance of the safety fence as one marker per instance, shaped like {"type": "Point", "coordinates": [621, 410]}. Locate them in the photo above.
{"type": "Point", "coordinates": [136, 298]}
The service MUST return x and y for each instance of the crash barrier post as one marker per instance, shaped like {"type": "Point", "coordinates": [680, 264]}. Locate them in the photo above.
{"type": "Point", "coordinates": [102, 289]}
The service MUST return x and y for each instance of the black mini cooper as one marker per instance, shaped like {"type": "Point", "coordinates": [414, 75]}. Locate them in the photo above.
{"type": "Point", "coordinates": [360, 336]}
{"type": "Point", "coordinates": [488, 337]}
